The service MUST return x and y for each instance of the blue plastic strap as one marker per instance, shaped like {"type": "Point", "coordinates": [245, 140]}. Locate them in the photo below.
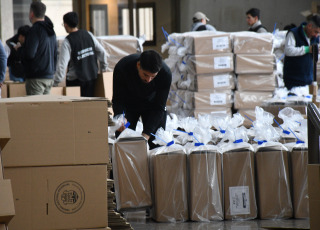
{"type": "Point", "coordinates": [179, 97]}
{"type": "Point", "coordinates": [167, 143]}
{"type": "Point", "coordinates": [283, 130]}
{"type": "Point", "coordinates": [127, 124]}
{"type": "Point", "coordinates": [170, 143]}
{"type": "Point", "coordinates": [198, 144]}
{"type": "Point", "coordinates": [274, 28]}
{"type": "Point", "coordinates": [238, 141]}
{"type": "Point", "coordinates": [298, 140]}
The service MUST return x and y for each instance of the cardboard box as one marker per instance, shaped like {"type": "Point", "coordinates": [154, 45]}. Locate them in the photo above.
{"type": "Point", "coordinates": [239, 185]}
{"type": "Point", "coordinates": [261, 82]}
{"type": "Point", "coordinates": [214, 98]}
{"type": "Point", "coordinates": [131, 173]}
{"type": "Point", "coordinates": [4, 91]}
{"type": "Point", "coordinates": [215, 63]}
{"type": "Point", "coordinates": [59, 197]}
{"type": "Point", "coordinates": [253, 43]}
{"type": "Point", "coordinates": [254, 64]}
{"type": "Point", "coordinates": [314, 195]}
{"type": "Point", "coordinates": [170, 187]}
{"type": "Point", "coordinates": [215, 82]}
{"type": "Point", "coordinates": [299, 172]}
{"type": "Point", "coordinates": [17, 89]}
{"type": "Point", "coordinates": [273, 184]}
{"type": "Point", "coordinates": [74, 91]}
{"type": "Point", "coordinates": [56, 130]}
{"type": "Point", "coordinates": [206, 203]}
{"type": "Point", "coordinates": [119, 45]}
{"type": "Point", "coordinates": [104, 85]}
{"type": "Point", "coordinates": [212, 110]}
{"type": "Point", "coordinates": [4, 126]}
{"type": "Point", "coordinates": [208, 44]}
{"type": "Point", "coordinates": [7, 210]}
{"type": "Point", "coordinates": [249, 116]}
{"type": "Point", "coordinates": [56, 91]}
{"type": "Point", "coordinates": [250, 99]}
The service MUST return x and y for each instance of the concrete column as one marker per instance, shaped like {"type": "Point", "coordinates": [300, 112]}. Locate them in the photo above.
{"type": "Point", "coordinates": [6, 20]}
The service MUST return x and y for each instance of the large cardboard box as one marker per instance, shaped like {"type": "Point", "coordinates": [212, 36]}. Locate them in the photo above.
{"type": "Point", "coordinates": [254, 64]}
{"type": "Point", "coordinates": [131, 173]}
{"type": "Point", "coordinates": [206, 196]}
{"type": "Point", "coordinates": [208, 44]}
{"type": "Point", "coordinates": [253, 43]}
{"type": "Point", "coordinates": [215, 82]}
{"type": "Point", "coordinates": [314, 195]}
{"type": "Point", "coordinates": [215, 63]}
{"type": "Point", "coordinates": [239, 185]}
{"type": "Point", "coordinates": [299, 172]}
{"type": "Point", "coordinates": [273, 184]}
{"type": "Point", "coordinates": [4, 91]}
{"type": "Point", "coordinates": [56, 130]}
{"type": "Point", "coordinates": [66, 91]}
{"type": "Point", "coordinates": [4, 127]}
{"type": "Point", "coordinates": [250, 99]}
{"type": "Point", "coordinates": [104, 85]}
{"type": "Point", "coordinates": [17, 89]}
{"type": "Point", "coordinates": [59, 197]}
{"type": "Point", "coordinates": [170, 187]}
{"type": "Point", "coordinates": [214, 98]}
{"type": "Point", "coordinates": [7, 210]}
{"type": "Point", "coordinates": [256, 82]}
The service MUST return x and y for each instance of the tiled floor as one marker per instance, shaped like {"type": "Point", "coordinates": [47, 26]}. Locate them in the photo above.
{"type": "Point", "coordinates": [139, 222]}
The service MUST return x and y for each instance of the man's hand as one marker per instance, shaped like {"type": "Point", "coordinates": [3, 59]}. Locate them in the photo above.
{"type": "Point", "coordinates": [122, 126]}
{"type": "Point", "coordinates": [146, 136]}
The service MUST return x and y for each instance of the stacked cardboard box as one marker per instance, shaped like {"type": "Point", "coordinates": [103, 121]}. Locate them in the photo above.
{"type": "Point", "coordinates": [118, 47]}
{"type": "Point", "coordinates": [57, 162]}
{"type": "Point", "coordinates": [314, 194]}
{"type": "Point", "coordinates": [7, 210]}
{"type": "Point", "coordinates": [254, 66]}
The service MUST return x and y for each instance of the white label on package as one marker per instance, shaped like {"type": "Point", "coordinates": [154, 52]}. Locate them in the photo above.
{"type": "Point", "coordinates": [218, 98]}
{"type": "Point", "coordinates": [221, 81]}
{"type": "Point", "coordinates": [239, 200]}
{"type": "Point", "coordinates": [220, 43]}
{"type": "Point", "coordinates": [221, 63]}
{"type": "Point", "coordinates": [217, 112]}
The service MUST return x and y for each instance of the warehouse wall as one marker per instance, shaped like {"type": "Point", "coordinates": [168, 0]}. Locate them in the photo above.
{"type": "Point", "coordinates": [229, 15]}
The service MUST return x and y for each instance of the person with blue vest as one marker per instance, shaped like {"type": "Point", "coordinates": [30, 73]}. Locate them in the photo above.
{"type": "Point", "coordinates": [298, 62]}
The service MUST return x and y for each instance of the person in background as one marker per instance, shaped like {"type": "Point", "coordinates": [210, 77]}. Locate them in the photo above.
{"type": "Point", "coordinates": [141, 84]}
{"type": "Point", "coordinates": [80, 52]}
{"type": "Point", "coordinates": [39, 52]}
{"type": "Point", "coordinates": [298, 61]}
{"type": "Point", "coordinates": [200, 22]}
{"type": "Point", "coordinates": [16, 70]}
{"type": "Point", "coordinates": [253, 20]}
{"type": "Point", "coordinates": [289, 26]}
{"type": "Point", "coordinates": [3, 65]}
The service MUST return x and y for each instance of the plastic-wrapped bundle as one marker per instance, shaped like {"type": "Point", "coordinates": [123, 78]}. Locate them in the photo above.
{"type": "Point", "coordinates": [169, 176]}
{"type": "Point", "coordinates": [252, 43]}
{"type": "Point", "coordinates": [205, 174]}
{"type": "Point", "coordinates": [131, 171]}
{"type": "Point", "coordinates": [250, 99]}
{"type": "Point", "coordinates": [238, 176]}
{"type": "Point", "coordinates": [256, 82]}
{"type": "Point", "coordinates": [181, 99]}
{"type": "Point", "coordinates": [215, 82]}
{"type": "Point", "coordinates": [254, 63]}
{"type": "Point", "coordinates": [216, 98]}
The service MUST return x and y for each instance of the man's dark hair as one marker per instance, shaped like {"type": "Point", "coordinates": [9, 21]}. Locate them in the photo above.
{"type": "Point", "coordinates": [38, 9]}
{"type": "Point", "coordinates": [315, 20]}
{"type": "Point", "coordinates": [23, 30]}
{"type": "Point", "coordinates": [71, 19]}
{"type": "Point", "coordinates": [290, 26]}
{"type": "Point", "coordinates": [254, 12]}
{"type": "Point", "coordinates": [151, 61]}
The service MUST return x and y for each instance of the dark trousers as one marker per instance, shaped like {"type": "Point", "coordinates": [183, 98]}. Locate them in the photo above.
{"type": "Point", "coordinates": [133, 117]}
{"type": "Point", "coordinates": [86, 87]}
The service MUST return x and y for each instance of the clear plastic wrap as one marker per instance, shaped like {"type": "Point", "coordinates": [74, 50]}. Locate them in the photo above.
{"type": "Point", "coordinates": [273, 181]}
{"type": "Point", "coordinates": [188, 124]}
{"type": "Point", "coordinates": [169, 179]}
{"type": "Point", "coordinates": [131, 171]}
{"type": "Point", "coordinates": [181, 99]}
{"type": "Point", "coordinates": [252, 43]}
{"type": "Point", "coordinates": [216, 98]}
{"type": "Point", "coordinates": [215, 82]}
{"type": "Point", "coordinates": [205, 178]}
{"type": "Point", "coordinates": [291, 118]}
{"type": "Point", "coordinates": [212, 110]}
{"type": "Point", "coordinates": [256, 82]}
{"type": "Point", "coordinates": [250, 99]}
{"type": "Point", "coordinates": [254, 64]}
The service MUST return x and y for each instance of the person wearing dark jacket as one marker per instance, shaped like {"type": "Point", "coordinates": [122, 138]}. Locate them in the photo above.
{"type": "Point", "coordinates": [298, 61]}
{"type": "Point", "coordinates": [141, 84]}
{"type": "Point", "coordinates": [16, 69]}
{"type": "Point", "coordinates": [39, 53]}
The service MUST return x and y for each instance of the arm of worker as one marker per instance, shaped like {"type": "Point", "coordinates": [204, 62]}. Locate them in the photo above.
{"type": "Point", "coordinates": [290, 48]}
{"type": "Point", "coordinates": [156, 114]}
{"type": "Point", "coordinates": [62, 64]}
{"type": "Point", "coordinates": [3, 63]}
{"type": "Point", "coordinates": [30, 46]}
{"type": "Point", "coordinates": [101, 53]}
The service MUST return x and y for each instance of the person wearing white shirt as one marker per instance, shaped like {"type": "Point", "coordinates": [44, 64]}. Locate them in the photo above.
{"type": "Point", "coordinates": [298, 62]}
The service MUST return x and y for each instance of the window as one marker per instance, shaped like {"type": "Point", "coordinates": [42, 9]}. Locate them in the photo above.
{"type": "Point", "coordinates": [99, 19]}
{"type": "Point", "coordinates": [143, 21]}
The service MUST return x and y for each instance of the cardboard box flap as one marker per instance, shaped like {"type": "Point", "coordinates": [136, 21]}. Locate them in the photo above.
{"type": "Point", "coordinates": [4, 126]}
{"type": "Point", "coordinates": [7, 210]}
{"type": "Point", "coordinates": [50, 98]}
